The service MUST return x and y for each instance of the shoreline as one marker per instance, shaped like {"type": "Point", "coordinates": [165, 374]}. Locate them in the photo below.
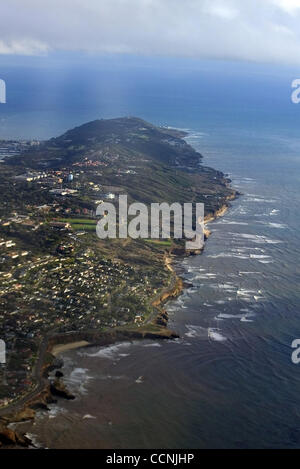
{"type": "Point", "coordinates": [156, 329]}
{"type": "Point", "coordinates": [52, 346]}
{"type": "Point", "coordinates": [61, 348]}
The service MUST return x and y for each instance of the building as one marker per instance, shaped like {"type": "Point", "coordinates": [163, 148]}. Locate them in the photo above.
{"type": "Point", "coordinates": [60, 225]}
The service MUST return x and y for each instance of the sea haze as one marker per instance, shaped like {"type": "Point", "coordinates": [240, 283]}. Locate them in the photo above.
{"type": "Point", "coordinates": [48, 95]}
{"type": "Point", "coordinates": [229, 381]}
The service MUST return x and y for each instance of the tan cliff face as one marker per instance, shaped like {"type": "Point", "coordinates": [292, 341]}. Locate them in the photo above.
{"type": "Point", "coordinates": [9, 437]}
{"type": "Point", "coordinates": [157, 329]}
{"type": "Point", "coordinates": [207, 233]}
{"type": "Point", "coordinates": [222, 210]}
{"type": "Point", "coordinates": [172, 293]}
{"type": "Point", "coordinates": [216, 214]}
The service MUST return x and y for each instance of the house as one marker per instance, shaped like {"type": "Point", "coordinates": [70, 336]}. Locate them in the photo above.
{"type": "Point", "coordinates": [60, 225]}
{"type": "Point", "coordinates": [110, 196]}
{"type": "Point", "coordinates": [138, 318]}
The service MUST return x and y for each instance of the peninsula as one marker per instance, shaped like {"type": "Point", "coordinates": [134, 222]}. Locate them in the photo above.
{"type": "Point", "coordinates": [60, 284]}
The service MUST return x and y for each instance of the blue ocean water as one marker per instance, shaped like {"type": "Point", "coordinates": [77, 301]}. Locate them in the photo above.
{"type": "Point", "coordinates": [229, 382]}
{"type": "Point", "coordinates": [48, 95]}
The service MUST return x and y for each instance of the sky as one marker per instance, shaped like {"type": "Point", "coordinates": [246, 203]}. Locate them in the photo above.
{"type": "Point", "coordinates": [263, 31]}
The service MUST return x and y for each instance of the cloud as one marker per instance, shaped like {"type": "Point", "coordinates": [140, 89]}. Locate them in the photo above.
{"type": "Point", "coordinates": [289, 6]}
{"type": "Point", "coordinates": [23, 47]}
{"type": "Point", "coordinates": [222, 11]}
{"type": "Point", "coordinates": [253, 30]}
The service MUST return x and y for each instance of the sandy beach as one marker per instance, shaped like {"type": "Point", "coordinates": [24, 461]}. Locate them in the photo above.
{"type": "Point", "coordinates": [60, 348]}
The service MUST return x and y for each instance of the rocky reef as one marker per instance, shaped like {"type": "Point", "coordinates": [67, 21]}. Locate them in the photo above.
{"type": "Point", "coordinates": [58, 388]}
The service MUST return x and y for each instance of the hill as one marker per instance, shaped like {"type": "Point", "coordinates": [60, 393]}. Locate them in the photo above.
{"type": "Point", "coordinates": [102, 139]}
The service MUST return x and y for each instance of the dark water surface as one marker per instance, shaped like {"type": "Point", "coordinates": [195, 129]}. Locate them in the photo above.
{"type": "Point", "coordinates": [229, 381]}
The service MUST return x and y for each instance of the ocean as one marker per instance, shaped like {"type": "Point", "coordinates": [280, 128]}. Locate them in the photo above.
{"type": "Point", "coordinates": [229, 381]}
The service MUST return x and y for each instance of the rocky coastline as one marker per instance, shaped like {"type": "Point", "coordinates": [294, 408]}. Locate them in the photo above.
{"type": "Point", "coordinates": [52, 389]}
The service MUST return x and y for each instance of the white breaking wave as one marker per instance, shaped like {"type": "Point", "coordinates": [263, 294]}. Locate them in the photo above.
{"type": "Point", "coordinates": [260, 200]}
{"type": "Point", "coordinates": [215, 335]}
{"type": "Point", "coordinates": [244, 319]}
{"type": "Point", "coordinates": [78, 379]}
{"type": "Point", "coordinates": [196, 332]}
{"type": "Point", "coordinates": [230, 222]}
{"type": "Point", "coordinates": [250, 273]}
{"type": "Point", "coordinates": [258, 239]}
{"type": "Point", "coordinates": [274, 225]}
{"type": "Point", "coordinates": [235, 316]}
{"type": "Point", "coordinates": [243, 291]}
{"type": "Point", "coordinates": [204, 277]}
{"type": "Point", "coordinates": [248, 248]}
{"type": "Point", "coordinates": [34, 439]}
{"type": "Point", "coordinates": [225, 286]}
{"type": "Point", "coordinates": [259, 256]}
{"type": "Point", "coordinates": [265, 262]}
{"type": "Point", "coordinates": [192, 269]}
{"type": "Point", "coordinates": [155, 344]}
{"type": "Point", "coordinates": [274, 212]}
{"type": "Point", "coordinates": [227, 254]}
{"type": "Point", "coordinates": [203, 333]}
{"type": "Point", "coordinates": [55, 411]}
{"type": "Point", "coordinates": [111, 352]}
{"type": "Point", "coordinates": [278, 225]}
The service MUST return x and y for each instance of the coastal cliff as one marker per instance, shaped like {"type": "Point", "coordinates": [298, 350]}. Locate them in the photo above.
{"type": "Point", "coordinates": [127, 156]}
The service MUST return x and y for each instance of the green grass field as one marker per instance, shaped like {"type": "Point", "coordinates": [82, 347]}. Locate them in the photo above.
{"type": "Point", "coordinates": [78, 221]}
{"type": "Point", "coordinates": [159, 242]}
{"type": "Point", "coordinates": [80, 224]}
